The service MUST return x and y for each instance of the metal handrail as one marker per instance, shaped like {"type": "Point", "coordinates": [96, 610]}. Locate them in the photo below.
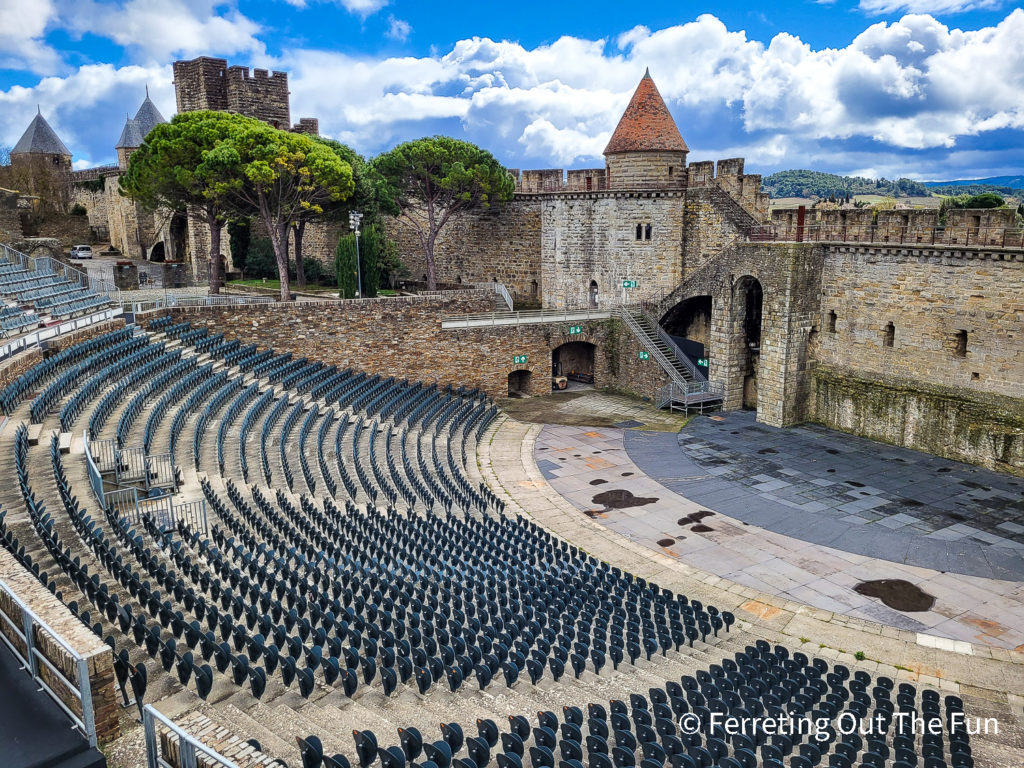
{"type": "Point", "coordinates": [188, 745]}
{"type": "Point", "coordinates": [14, 346]}
{"type": "Point", "coordinates": [644, 339]}
{"type": "Point", "coordinates": [33, 656]}
{"type": "Point", "coordinates": [526, 317]}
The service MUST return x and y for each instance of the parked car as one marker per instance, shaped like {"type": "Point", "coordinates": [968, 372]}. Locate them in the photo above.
{"type": "Point", "coordinates": [81, 252]}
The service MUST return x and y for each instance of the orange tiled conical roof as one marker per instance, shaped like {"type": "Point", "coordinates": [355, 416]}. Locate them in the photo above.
{"type": "Point", "coordinates": [646, 125]}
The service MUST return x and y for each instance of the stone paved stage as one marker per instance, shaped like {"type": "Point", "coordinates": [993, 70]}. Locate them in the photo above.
{"type": "Point", "coordinates": [785, 525]}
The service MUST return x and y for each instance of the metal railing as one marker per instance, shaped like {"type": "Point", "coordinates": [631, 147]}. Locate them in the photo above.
{"type": "Point", "coordinates": [692, 395]}
{"type": "Point", "coordinates": [652, 348]}
{"type": "Point", "coordinates": [155, 470]}
{"type": "Point", "coordinates": [882, 234]}
{"type": "Point", "coordinates": [183, 746]}
{"type": "Point", "coordinates": [95, 284]}
{"type": "Point", "coordinates": [526, 317]}
{"type": "Point", "coordinates": [14, 346]}
{"type": "Point", "coordinates": [500, 289]}
{"type": "Point", "coordinates": [681, 356]}
{"type": "Point", "coordinates": [171, 301]}
{"type": "Point", "coordinates": [33, 659]}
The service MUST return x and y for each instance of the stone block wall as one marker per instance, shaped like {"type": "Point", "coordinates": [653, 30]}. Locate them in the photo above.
{"type": "Point", "coordinates": [647, 170]}
{"type": "Point", "coordinates": [979, 226]}
{"type": "Point", "coordinates": [498, 245]}
{"type": "Point", "coordinates": [974, 427]}
{"type": "Point", "coordinates": [258, 94]}
{"type": "Point", "coordinates": [10, 218]}
{"type": "Point", "coordinates": [708, 227]}
{"type": "Point", "coordinates": [588, 238]}
{"type": "Point", "coordinates": [930, 296]}
{"type": "Point", "coordinates": [98, 656]}
{"type": "Point", "coordinates": [905, 226]}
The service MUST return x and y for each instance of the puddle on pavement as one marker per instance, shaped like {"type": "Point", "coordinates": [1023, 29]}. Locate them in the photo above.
{"type": "Point", "coordinates": [898, 594]}
{"type": "Point", "coordinates": [911, 503]}
{"type": "Point", "coordinates": [944, 469]}
{"type": "Point", "coordinates": [972, 484]}
{"type": "Point", "coordinates": [830, 470]}
{"type": "Point", "coordinates": [627, 474]}
{"type": "Point", "coordinates": [599, 481]}
{"type": "Point", "coordinates": [833, 451]}
{"type": "Point", "coordinates": [957, 516]}
{"type": "Point", "coordinates": [701, 528]}
{"type": "Point", "coordinates": [695, 517]}
{"type": "Point", "coordinates": [854, 483]}
{"type": "Point", "coordinates": [618, 498]}
{"type": "Point", "coordinates": [666, 542]}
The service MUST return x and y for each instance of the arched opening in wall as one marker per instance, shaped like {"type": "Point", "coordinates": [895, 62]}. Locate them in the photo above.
{"type": "Point", "coordinates": [534, 289]}
{"type": "Point", "coordinates": [179, 236]}
{"type": "Point", "coordinates": [593, 294]}
{"type": "Point", "coordinates": [689, 325]}
{"type": "Point", "coordinates": [749, 302]}
{"type": "Point", "coordinates": [572, 366]}
{"type": "Point", "coordinates": [157, 252]}
{"type": "Point", "coordinates": [519, 383]}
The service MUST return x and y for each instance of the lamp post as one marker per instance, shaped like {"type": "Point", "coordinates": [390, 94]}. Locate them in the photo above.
{"type": "Point", "coordinates": [354, 217]}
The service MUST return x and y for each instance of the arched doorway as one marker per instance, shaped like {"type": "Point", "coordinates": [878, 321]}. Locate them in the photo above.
{"type": "Point", "coordinates": [178, 236]}
{"type": "Point", "coordinates": [572, 365]}
{"type": "Point", "coordinates": [593, 294]}
{"type": "Point", "coordinates": [749, 303]}
{"type": "Point", "coordinates": [519, 383]}
{"type": "Point", "coordinates": [689, 325]}
{"type": "Point", "coordinates": [157, 252]}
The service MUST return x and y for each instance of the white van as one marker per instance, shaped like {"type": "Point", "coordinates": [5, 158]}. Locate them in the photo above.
{"type": "Point", "coordinates": [81, 252]}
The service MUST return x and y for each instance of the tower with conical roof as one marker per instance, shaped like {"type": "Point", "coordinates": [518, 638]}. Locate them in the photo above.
{"type": "Point", "coordinates": [41, 144]}
{"type": "Point", "coordinates": [136, 129]}
{"type": "Point", "coordinates": [646, 150]}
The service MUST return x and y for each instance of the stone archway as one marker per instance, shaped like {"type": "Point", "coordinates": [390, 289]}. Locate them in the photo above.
{"type": "Point", "coordinates": [689, 325]}
{"type": "Point", "coordinates": [574, 361]}
{"type": "Point", "coordinates": [158, 252]}
{"type": "Point", "coordinates": [748, 304]}
{"type": "Point", "coordinates": [519, 383]}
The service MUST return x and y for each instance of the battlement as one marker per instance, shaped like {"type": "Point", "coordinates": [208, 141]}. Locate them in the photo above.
{"type": "Point", "coordinates": [992, 227]}
{"type": "Point", "coordinates": [209, 83]}
{"type": "Point", "coordinates": [558, 180]}
{"type": "Point", "coordinates": [728, 174]}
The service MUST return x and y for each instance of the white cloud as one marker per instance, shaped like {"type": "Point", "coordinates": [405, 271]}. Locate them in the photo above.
{"type": "Point", "coordinates": [363, 8]}
{"type": "Point", "coordinates": [927, 6]}
{"type": "Point", "coordinates": [23, 26]}
{"type": "Point", "coordinates": [912, 84]}
{"type": "Point", "coordinates": [398, 29]}
{"type": "Point", "coordinates": [159, 30]}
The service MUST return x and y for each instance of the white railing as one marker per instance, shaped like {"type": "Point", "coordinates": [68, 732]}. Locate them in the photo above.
{"type": "Point", "coordinates": [171, 301]}
{"type": "Point", "coordinates": [33, 659]}
{"type": "Point", "coordinates": [500, 289]}
{"type": "Point", "coordinates": [187, 749]}
{"type": "Point", "coordinates": [526, 318]}
{"type": "Point", "coordinates": [14, 346]}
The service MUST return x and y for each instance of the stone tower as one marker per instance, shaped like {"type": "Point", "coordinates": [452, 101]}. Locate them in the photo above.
{"type": "Point", "coordinates": [646, 151]}
{"type": "Point", "coordinates": [136, 129]}
{"type": "Point", "coordinates": [41, 145]}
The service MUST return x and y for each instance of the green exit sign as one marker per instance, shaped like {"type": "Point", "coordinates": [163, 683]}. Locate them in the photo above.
{"type": "Point", "coordinates": [575, 329]}
{"type": "Point", "coordinates": [519, 360]}
{"type": "Point", "coordinates": [629, 283]}
{"type": "Point", "coordinates": [644, 355]}
{"type": "Point", "coordinates": [702, 362]}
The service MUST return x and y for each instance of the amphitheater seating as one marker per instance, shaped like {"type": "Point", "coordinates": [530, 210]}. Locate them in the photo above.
{"type": "Point", "coordinates": [386, 568]}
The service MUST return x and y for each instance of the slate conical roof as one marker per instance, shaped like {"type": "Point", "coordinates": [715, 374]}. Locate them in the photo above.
{"type": "Point", "coordinates": [148, 117]}
{"type": "Point", "coordinates": [131, 135]}
{"type": "Point", "coordinates": [646, 125]}
{"type": "Point", "coordinates": [40, 139]}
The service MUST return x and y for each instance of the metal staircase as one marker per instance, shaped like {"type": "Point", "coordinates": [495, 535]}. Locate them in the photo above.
{"type": "Point", "coordinates": [688, 389]}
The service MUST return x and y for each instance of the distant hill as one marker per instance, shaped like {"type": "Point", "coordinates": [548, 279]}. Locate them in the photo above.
{"type": "Point", "coordinates": [802, 183]}
{"type": "Point", "coordinates": [1004, 185]}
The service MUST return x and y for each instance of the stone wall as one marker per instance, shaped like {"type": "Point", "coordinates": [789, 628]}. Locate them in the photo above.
{"type": "Point", "coordinates": [975, 427]}
{"type": "Point", "coordinates": [97, 654]}
{"type": "Point", "coordinates": [708, 227]}
{"type": "Point", "coordinates": [646, 170]}
{"type": "Point", "coordinates": [592, 239]}
{"type": "Point", "coordinates": [498, 245]}
{"type": "Point", "coordinates": [97, 206]}
{"type": "Point", "coordinates": [930, 296]}
{"type": "Point", "coordinates": [10, 218]}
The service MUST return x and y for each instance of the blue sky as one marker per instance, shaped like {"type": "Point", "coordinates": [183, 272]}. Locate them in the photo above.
{"type": "Point", "coordinates": [929, 89]}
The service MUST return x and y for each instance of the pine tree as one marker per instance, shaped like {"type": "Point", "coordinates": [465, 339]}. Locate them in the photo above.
{"type": "Point", "coordinates": [345, 267]}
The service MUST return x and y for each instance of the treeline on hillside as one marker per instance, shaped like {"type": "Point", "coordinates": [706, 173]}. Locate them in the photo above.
{"type": "Point", "coordinates": [801, 183]}
{"type": "Point", "coordinates": [972, 189]}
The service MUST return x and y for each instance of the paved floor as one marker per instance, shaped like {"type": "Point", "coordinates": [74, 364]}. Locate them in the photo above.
{"type": "Point", "coordinates": [835, 489]}
{"type": "Point", "coordinates": [601, 471]}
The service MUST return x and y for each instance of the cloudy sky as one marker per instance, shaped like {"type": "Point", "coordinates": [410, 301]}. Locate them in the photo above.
{"type": "Point", "coordinates": [930, 89]}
